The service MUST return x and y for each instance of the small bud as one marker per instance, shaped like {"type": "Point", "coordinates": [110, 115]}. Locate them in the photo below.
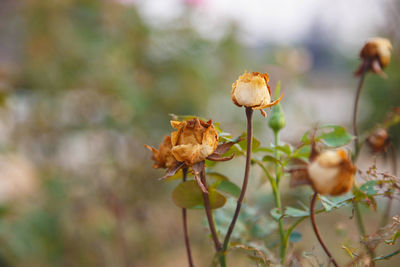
{"type": "Point", "coordinates": [277, 120]}
{"type": "Point", "coordinates": [379, 140]}
{"type": "Point", "coordinates": [332, 173]}
{"type": "Point", "coordinates": [376, 55]}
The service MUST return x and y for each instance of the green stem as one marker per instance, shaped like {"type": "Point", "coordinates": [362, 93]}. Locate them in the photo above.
{"type": "Point", "coordinates": [278, 201]}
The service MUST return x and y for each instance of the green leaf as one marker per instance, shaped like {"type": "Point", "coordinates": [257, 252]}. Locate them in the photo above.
{"type": "Point", "coordinates": [276, 214]}
{"type": "Point", "coordinates": [216, 177]}
{"type": "Point", "coordinates": [369, 187]}
{"type": "Point", "coordinates": [295, 237]}
{"type": "Point", "coordinates": [189, 195]}
{"type": "Point", "coordinates": [293, 212]}
{"type": "Point", "coordinates": [243, 144]}
{"type": "Point", "coordinates": [335, 202]}
{"type": "Point", "coordinates": [285, 149]}
{"type": "Point", "coordinates": [337, 137]}
{"type": "Point", "coordinates": [230, 188]}
{"type": "Point", "coordinates": [302, 152]}
{"type": "Point", "coordinates": [271, 159]}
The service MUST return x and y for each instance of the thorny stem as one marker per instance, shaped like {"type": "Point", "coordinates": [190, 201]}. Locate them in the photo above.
{"type": "Point", "coordinates": [314, 225]}
{"type": "Point", "coordinates": [249, 116]}
{"type": "Point", "coordinates": [185, 226]}
{"type": "Point", "coordinates": [278, 202]}
{"type": "Point", "coordinates": [207, 208]}
{"type": "Point", "coordinates": [386, 215]}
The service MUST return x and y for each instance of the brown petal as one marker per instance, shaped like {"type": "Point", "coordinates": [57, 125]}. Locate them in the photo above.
{"type": "Point", "coordinates": [299, 176]}
{"type": "Point", "coordinates": [223, 148]}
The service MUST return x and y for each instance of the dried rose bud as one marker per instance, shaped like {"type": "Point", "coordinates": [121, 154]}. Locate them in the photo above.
{"type": "Point", "coordinates": [193, 141]}
{"type": "Point", "coordinates": [252, 90]}
{"type": "Point", "coordinates": [163, 157]}
{"type": "Point", "coordinates": [377, 48]}
{"type": "Point", "coordinates": [376, 55]}
{"type": "Point", "coordinates": [332, 173]}
{"type": "Point", "coordinates": [379, 140]}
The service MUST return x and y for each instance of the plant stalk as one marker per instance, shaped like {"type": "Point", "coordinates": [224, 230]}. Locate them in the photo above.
{"type": "Point", "coordinates": [317, 234]}
{"type": "Point", "coordinates": [249, 116]}
{"type": "Point", "coordinates": [210, 219]}
{"type": "Point", "coordinates": [278, 201]}
{"type": "Point", "coordinates": [185, 226]}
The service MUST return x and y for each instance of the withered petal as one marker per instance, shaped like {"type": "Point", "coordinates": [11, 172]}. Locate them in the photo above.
{"type": "Point", "coordinates": [299, 176]}
{"type": "Point", "coordinates": [273, 103]}
{"type": "Point", "coordinates": [171, 171]}
{"type": "Point", "coordinates": [223, 148]}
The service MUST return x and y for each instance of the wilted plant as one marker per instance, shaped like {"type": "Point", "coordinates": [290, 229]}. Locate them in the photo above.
{"type": "Point", "coordinates": [320, 160]}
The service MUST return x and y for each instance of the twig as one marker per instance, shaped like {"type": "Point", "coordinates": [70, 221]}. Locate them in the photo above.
{"type": "Point", "coordinates": [249, 116]}
{"type": "Point", "coordinates": [314, 225]}
{"type": "Point", "coordinates": [185, 226]}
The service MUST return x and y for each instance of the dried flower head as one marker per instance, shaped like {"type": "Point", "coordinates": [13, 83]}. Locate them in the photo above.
{"type": "Point", "coordinates": [379, 140]}
{"type": "Point", "coordinates": [193, 141]}
{"type": "Point", "coordinates": [251, 89]}
{"type": "Point", "coordinates": [376, 55]}
{"type": "Point", "coordinates": [332, 173]}
{"type": "Point", "coordinates": [163, 157]}
{"type": "Point", "coordinates": [329, 173]}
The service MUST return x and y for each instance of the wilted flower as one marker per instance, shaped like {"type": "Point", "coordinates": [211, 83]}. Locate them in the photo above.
{"type": "Point", "coordinates": [189, 146]}
{"type": "Point", "coordinates": [329, 173]}
{"type": "Point", "coordinates": [163, 157]}
{"type": "Point", "coordinates": [252, 90]}
{"type": "Point", "coordinates": [376, 55]}
{"type": "Point", "coordinates": [379, 140]}
{"type": "Point", "coordinates": [193, 141]}
{"type": "Point", "coordinates": [332, 173]}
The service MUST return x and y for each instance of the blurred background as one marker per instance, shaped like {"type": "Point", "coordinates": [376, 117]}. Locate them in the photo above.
{"type": "Point", "coordinates": [84, 84]}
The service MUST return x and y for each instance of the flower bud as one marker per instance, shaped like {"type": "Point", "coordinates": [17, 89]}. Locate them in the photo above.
{"type": "Point", "coordinates": [379, 140]}
{"type": "Point", "coordinates": [332, 173]}
{"type": "Point", "coordinates": [379, 48]}
{"type": "Point", "coordinates": [163, 157]}
{"type": "Point", "coordinates": [252, 90]}
{"type": "Point", "coordinates": [193, 141]}
{"type": "Point", "coordinates": [376, 56]}
{"type": "Point", "coordinates": [277, 120]}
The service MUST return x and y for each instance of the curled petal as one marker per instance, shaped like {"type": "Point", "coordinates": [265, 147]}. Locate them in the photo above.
{"type": "Point", "coordinates": [223, 148]}
{"type": "Point", "coordinates": [273, 103]}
